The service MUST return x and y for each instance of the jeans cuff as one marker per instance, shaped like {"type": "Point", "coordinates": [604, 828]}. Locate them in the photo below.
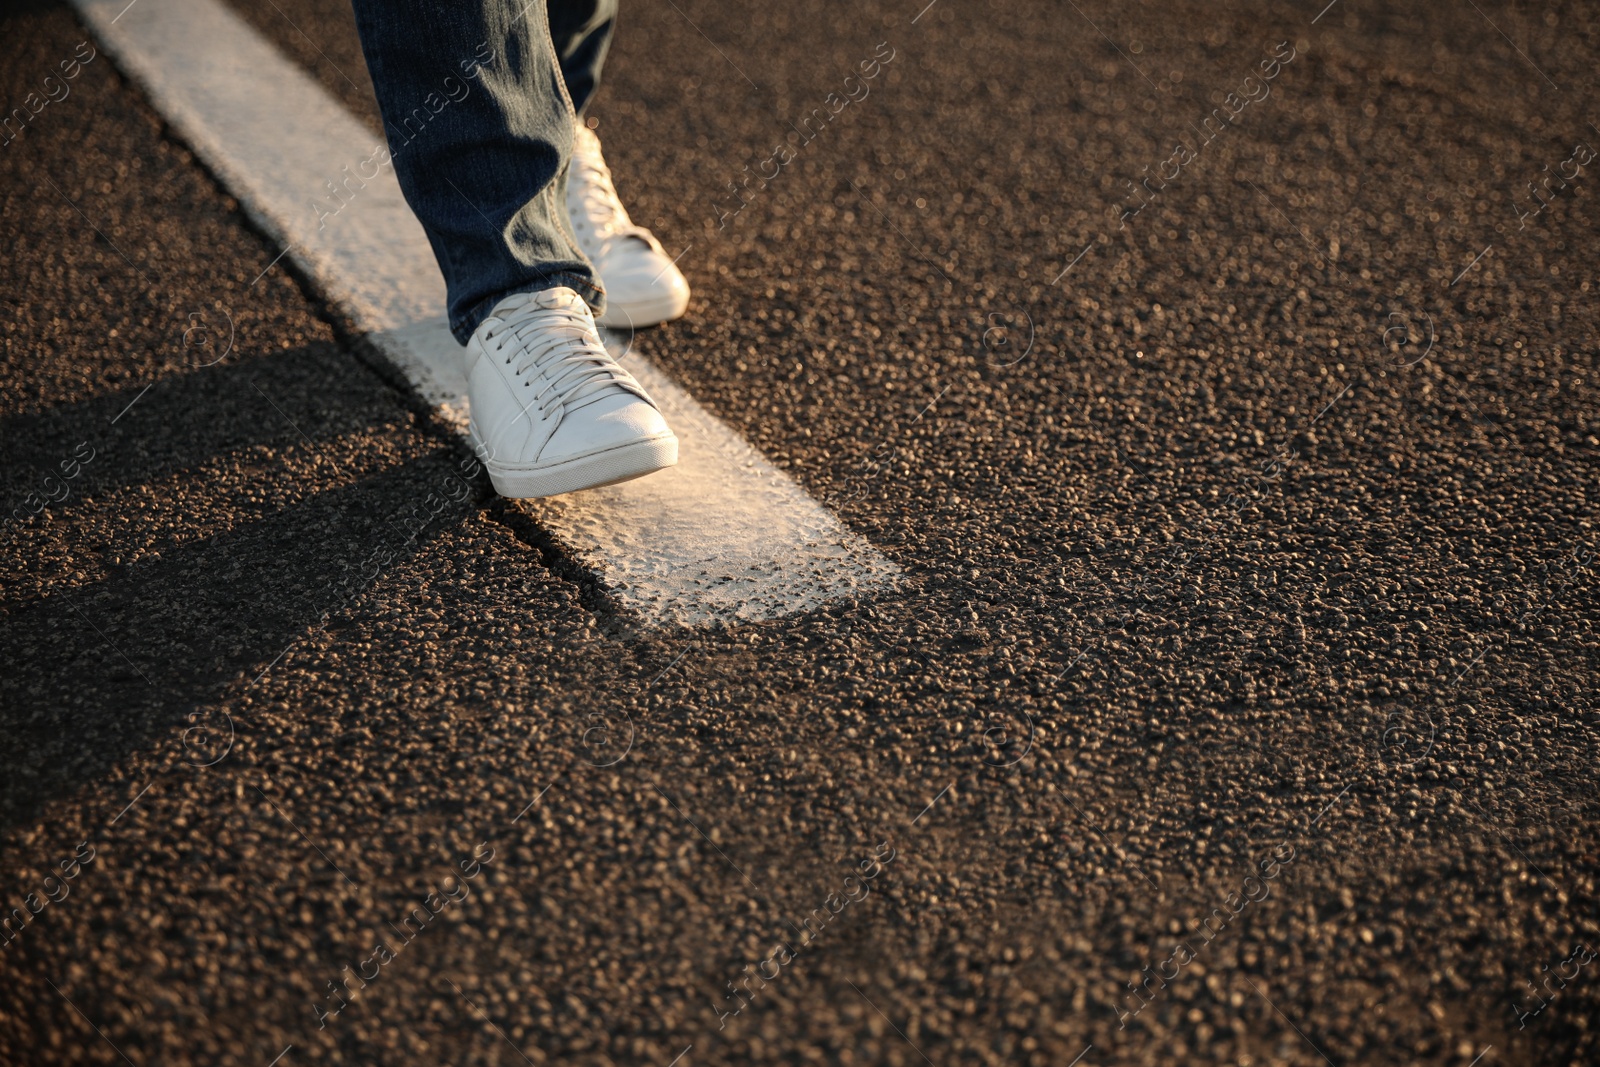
{"type": "Point", "coordinates": [464, 325]}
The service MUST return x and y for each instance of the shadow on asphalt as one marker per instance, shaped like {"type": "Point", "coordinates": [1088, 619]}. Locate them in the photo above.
{"type": "Point", "coordinates": [144, 433]}
{"type": "Point", "coordinates": [163, 639]}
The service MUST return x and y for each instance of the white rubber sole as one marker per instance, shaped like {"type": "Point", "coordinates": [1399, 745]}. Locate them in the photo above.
{"type": "Point", "coordinates": [640, 313]}
{"type": "Point", "coordinates": [621, 464]}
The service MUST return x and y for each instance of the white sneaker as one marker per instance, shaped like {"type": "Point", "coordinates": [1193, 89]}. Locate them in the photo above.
{"type": "Point", "coordinates": [643, 286]}
{"type": "Point", "coordinates": [552, 412]}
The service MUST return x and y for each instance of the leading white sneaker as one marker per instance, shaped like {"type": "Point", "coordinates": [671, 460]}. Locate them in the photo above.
{"type": "Point", "coordinates": [552, 412]}
{"type": "Point", "coordinates": [643, 286]}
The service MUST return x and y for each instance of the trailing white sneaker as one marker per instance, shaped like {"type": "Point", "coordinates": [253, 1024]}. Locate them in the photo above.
{"type": "Point", "coordinates": [552, 412]}
{"type": "Point", "coordinates": [643, 286]}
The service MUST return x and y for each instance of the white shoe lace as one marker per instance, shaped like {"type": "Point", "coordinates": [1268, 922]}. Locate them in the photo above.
{"type": "Point", "coordinates": [598, 206]}
{"type": "Point", "coordinates": [557, 351]}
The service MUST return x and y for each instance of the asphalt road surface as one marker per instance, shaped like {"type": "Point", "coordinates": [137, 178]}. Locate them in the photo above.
{"type": "Point", "coordinates": [1238, 703]}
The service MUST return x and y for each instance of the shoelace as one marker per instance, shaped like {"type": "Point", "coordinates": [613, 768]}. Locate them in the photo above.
{"type": "Point", "coordinates": [598, 196]}
{"type": "Point", "coordinates": [564, 363]}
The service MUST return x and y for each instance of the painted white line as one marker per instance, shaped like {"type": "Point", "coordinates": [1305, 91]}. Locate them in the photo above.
{"type": "Point", "coordinates": [724, 535]}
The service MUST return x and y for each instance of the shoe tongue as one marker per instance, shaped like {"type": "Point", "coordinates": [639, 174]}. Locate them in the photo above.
{"type": "Point", "coordinates": [559, 297]}
{"type": "Point", "coordinates": [586, 142]}
{"type": "Point", "coordinates": [583, 382]}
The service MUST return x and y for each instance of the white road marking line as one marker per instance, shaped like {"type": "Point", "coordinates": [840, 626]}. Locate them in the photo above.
{"type": "Point", "coordinates": [722, 536]}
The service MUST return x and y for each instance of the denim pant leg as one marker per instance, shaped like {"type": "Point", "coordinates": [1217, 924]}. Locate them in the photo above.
{"type": "Point", "coordinates": [581, 30]}
{"type": "Point", "coordinates": [480, 127]}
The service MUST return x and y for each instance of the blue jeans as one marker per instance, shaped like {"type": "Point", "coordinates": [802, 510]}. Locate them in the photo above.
{"type": "Point", "coordinates": [479, 98]}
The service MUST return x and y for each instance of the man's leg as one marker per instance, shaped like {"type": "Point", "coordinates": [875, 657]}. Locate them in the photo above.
{"type": "Point", "coordinates": [480, 128]}
{"type": "Point", "coordinates": [581, 31]}
{"type": "Point", "coordinates": [643, 283]}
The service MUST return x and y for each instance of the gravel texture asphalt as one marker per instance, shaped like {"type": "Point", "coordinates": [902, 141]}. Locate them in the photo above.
{"type": "Point", "coordinates": [1239, 705]}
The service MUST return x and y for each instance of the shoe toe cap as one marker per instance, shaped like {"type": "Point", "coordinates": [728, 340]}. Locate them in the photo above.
{"type": "Point", "coordinates": [644, 285]}
{"type": "Point", "coordinates": [642, 272]}
{"type": "Point", "coordinates": [600, 427]}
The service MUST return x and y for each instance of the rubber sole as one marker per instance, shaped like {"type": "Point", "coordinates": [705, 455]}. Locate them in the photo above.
{"type": "Point", "coordinates": [621, 464]}
{"type": "Point", "coordinates": [640, 313]}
